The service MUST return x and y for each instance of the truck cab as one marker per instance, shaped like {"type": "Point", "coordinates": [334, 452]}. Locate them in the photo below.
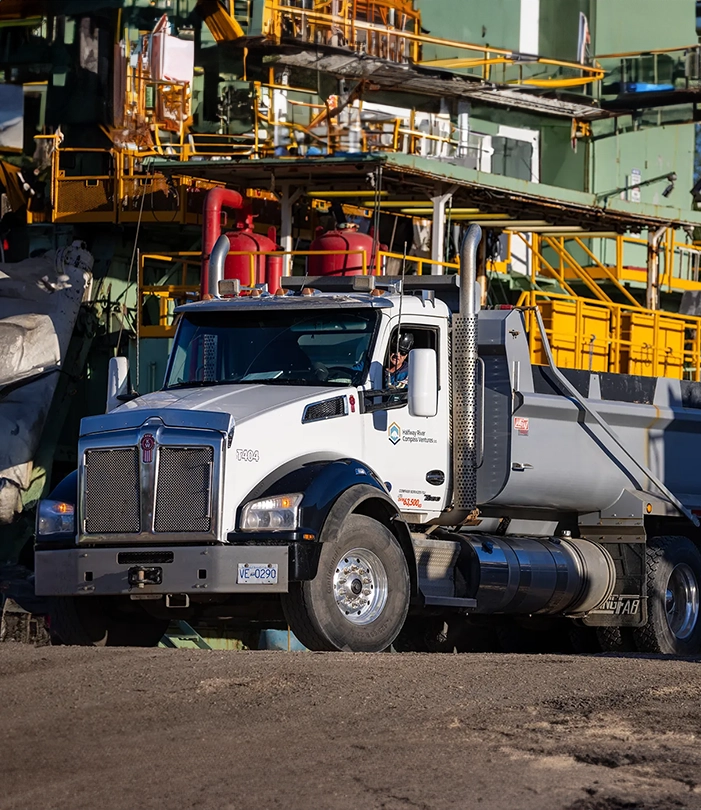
{"type": "Point", "coordinates": [275, 426]}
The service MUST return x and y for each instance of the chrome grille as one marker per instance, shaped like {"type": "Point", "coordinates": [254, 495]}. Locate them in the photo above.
{"type": "Point", "coordinates": [184, 489]}
{"type": "Point", "coordinates": [112, 495]}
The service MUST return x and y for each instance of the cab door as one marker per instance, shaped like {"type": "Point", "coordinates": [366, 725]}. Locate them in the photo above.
{"type": "Point", "coordinates": [410, 453]}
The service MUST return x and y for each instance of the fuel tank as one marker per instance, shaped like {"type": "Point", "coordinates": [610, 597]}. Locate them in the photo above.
{"type": "Point", "coordinates": [528, 575]}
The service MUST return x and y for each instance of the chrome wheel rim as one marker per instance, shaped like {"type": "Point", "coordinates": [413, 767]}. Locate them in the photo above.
{"type": "Point", "coordinates": [360, 586]}
{"type": "Point", "coordinates": [682, 601]}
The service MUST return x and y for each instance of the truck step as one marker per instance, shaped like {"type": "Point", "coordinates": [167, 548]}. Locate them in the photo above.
{"type": "Point", "coordinates": [450, 601]}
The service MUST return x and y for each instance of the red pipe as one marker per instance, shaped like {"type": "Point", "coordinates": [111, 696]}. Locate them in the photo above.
{"type": "Point", "coordinates": [211, 225]}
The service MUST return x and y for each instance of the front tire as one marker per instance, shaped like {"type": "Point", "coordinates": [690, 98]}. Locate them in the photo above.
{"type": "Point", "coordinates": [359, 599]}
{"type": "Point", "coordinates": [673, 603]}
{"type": "Point", "coordinates": [93, 621]}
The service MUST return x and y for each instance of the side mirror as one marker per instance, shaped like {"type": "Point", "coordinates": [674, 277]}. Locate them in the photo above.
{"type": "Point", "coordinates": [117, 382]}
{"type": "Point", "coordinates": [423, 382]}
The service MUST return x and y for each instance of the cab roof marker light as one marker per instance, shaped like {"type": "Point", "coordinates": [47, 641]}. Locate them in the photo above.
{"type": "Point", "coordinates": [229, 287]}
{"type": "Point", "coordinates": [363, 284]}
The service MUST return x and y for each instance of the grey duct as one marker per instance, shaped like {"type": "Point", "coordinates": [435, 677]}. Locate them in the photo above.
{"type": "Point", "coordinates": [465, 361]}
{"type": "Point", "coordinates": [216, 264]}
{"type": "Point", "coordinates": [653, 267]}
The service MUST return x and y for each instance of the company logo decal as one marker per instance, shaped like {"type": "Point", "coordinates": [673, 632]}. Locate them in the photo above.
{"type": "Point", "coordinates": [351, 400]}
{"type": "Point", "coordinates": [394, 433]}
{"type": "Point", "coordinates": [147, 445]}
{"type": "Point", "coordinates": [521, 425]}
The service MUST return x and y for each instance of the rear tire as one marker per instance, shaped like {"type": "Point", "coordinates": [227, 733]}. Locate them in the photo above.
{"type": "Point", "coordinates": [673, 598]}
{"type": "Point", "coordinates": [93, 621]}
{"type": "Point", "coordinates": [359, 599]}
{"type": "Point", "coordinates": [616, 639]}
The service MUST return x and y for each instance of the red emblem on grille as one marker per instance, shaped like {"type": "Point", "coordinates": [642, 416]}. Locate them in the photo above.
{"type": "Point", "coordinates": [351, 399]}
{"type": "Point", "coordinates": [147, 445]}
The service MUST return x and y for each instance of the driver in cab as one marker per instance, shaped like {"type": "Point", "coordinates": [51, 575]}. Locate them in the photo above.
{"type": "Point", "coordinates": [397, 369]}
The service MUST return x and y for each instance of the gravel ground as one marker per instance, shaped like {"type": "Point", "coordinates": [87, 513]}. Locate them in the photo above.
{"type": "Point", "coordinates": [118, 728]}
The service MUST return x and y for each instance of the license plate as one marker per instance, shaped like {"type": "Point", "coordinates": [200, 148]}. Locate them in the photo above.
{"type": "Point", "coordinates": [257, 574]}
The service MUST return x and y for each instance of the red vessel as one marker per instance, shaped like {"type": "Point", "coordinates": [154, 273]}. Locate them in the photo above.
{"type": "Point", "coordinates": [250, 270]}
{"type": "Point", "coordinates": [345, 238]}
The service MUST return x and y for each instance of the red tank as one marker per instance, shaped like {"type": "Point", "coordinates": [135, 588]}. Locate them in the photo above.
{"type": "Point", "coordinates": [242, 267]}
{"type": "Point", "coordinates": [345, 238]}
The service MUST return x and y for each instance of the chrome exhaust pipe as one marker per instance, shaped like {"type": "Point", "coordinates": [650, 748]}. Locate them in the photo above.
{"type": "Point", "coordinates": [465, 385]}
{"type": "Point", "coordinates": [216, 264]}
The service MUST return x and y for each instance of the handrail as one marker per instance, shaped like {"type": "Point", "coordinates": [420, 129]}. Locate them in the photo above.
{"type": "Point", "coordinates": [653, 52]}
{"type": "Point", "coordinates": [277, 10]}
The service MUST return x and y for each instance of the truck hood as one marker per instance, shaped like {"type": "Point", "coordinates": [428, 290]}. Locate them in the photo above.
{"type": "Point", "coordinates": [240, 401]}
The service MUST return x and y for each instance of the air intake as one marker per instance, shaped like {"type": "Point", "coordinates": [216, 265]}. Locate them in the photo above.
{"type": "Point", "coordinates": [328, 409]}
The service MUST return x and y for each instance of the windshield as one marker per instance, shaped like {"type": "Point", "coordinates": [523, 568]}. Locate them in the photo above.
{"type": "Point", "coordinates": [277, 348]}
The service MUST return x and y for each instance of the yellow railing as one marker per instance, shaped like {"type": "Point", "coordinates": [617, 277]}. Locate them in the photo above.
{"type": "Point", "coordinates": [679, 262]}
{"type": "Point", "coordinates": [387, 29]}
{"type": "Point", "coordinates": [165, 281]}
{"type": "Point", "coordinates": [618, 338]}
{"type": "Point", "coordinates": [398, 42]}
{"type": "Point", "coordinates": [661, 68]}
{"type": "Point", "coordinates": [125, 193]}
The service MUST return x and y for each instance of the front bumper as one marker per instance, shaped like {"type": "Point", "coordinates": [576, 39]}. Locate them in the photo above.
{"type": "Point", "coordinates": [166, 569]}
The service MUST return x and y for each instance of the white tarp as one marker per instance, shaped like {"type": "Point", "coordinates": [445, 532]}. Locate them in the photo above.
{"type": "Point", "coordinates": [39, 303]}
{"type": "Point", "coordinates": [172, 59]}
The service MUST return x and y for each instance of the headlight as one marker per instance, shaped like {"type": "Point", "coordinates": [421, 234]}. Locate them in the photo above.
{"type": "Point", "coordinates": [271, 514]}
{"type": "Point", "coordinates": [55, 517]}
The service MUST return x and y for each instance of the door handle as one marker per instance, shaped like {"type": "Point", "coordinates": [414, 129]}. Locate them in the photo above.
{"type": "Point", "coordinates": [518, 467]}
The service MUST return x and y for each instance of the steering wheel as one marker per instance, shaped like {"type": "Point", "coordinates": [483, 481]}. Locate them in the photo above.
{"type": "Point", "coordinates": [341, 371]}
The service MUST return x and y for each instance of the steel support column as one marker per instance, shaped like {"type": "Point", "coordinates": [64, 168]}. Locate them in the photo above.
{"type": "Point", "coordinates": [287, 200]}
{"type": "Point", "coordinates": [440, 203]}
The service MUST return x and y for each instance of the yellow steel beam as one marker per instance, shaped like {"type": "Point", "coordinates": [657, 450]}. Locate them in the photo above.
{"type": "Point", "coordinates": [224, 26]}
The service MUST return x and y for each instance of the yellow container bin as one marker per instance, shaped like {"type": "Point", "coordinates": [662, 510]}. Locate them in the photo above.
{"type": "Point", "coordinates": [652, 345]}
{"type": "Point", "coordinates": [579, 334]}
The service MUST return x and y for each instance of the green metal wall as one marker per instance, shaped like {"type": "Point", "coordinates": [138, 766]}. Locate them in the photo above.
{"type": "Point", "coordinates": [641, 25]}
{"type": "Point", "coordinates": [482, 22]}
{"type": "Point", "coordinates": [560, 164]}
{"type": "Point", "coordinates": [653, 152]}
{"type": "Point", "coordinates": [559, 27]}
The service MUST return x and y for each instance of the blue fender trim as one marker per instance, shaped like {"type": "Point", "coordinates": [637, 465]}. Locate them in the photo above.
{"type": "Point", "coordinates": [67, 490]}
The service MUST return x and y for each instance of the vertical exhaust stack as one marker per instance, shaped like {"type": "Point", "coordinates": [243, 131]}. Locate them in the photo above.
{"type": "Point", "coordinates": [465, 361]}
{"type": "Point", "coordinates": [215, 270]}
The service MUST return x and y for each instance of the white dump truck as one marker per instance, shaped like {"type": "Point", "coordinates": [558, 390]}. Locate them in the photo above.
{"type": "Point", "coordinates": [278, 476]}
